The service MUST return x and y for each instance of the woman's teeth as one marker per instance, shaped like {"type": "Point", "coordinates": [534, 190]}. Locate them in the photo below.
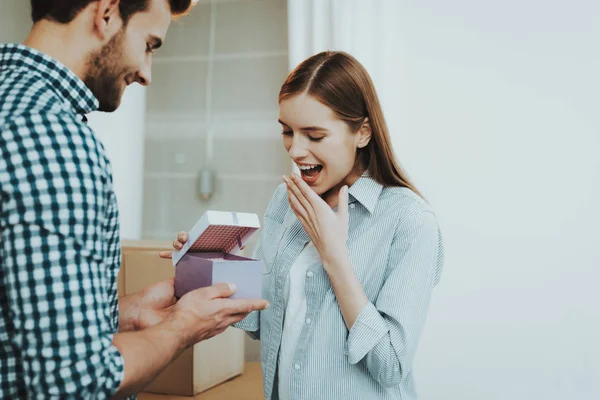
{"type": "Point", "coordinates": [310, 171]}
{"type": "Point", "coordinates": [307, 167]}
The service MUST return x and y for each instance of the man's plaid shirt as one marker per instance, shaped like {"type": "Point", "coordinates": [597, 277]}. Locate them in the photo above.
{"type": "Point", "coordinates": [59, 236]}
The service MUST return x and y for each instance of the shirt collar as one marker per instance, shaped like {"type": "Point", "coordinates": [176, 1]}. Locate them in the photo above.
{"type": "Point", "coordinates": [58, 77]}
{"type": "Point", "coordinates": [366, 191]}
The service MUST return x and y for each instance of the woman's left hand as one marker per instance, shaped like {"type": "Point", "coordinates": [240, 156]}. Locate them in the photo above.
{"type": "Point", "coordinates": [327, 229]}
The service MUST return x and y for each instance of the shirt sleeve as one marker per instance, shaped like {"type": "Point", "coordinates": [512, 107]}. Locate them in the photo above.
{"type": "Point", "coordinates": [386, 333]}
{"type": "Point", "coordinates": [57, 285]}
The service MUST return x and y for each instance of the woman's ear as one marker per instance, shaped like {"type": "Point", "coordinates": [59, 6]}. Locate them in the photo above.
{"type": "Point", "coordinates": [364, 134]}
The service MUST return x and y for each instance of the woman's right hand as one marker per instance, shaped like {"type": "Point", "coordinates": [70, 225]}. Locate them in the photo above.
{"type": "Point", "coordinates": [178, 243]}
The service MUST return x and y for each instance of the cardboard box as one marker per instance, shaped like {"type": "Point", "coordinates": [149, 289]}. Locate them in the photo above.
{"type": "Point", "coordinates": [246, 387]}
{"type": "Point", "coordinates": [208, 363]}
{"type": "Point", "coordinates": [206, 258]}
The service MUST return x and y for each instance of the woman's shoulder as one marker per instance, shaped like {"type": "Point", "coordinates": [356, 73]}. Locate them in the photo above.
{"type": "Point", "coordinates": [414, 219]}
{"type": "Point", "coordinates": [401, 204]}
{"type": "Point", "coordinates": [278, 205]}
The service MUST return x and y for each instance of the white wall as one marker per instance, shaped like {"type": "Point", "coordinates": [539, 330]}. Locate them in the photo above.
{"type": "Point", "coordinates": [498, 123]}
{"type": "Point", "coordinates": [122, 134]}
{"type": "Point", "coordinates": [228, 88]}
{"type": "Point", "coordinates": [15, 20]}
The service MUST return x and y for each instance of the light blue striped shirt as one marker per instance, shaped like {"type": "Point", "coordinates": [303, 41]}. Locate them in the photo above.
{"type": "Point", "coordinates": [396, 250]}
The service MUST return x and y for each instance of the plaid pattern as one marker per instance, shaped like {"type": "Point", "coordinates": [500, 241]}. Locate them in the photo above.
{"type": "Point", "coordinates": [59, 237]}
{"type": "Point", "coordinates": [219, 238]}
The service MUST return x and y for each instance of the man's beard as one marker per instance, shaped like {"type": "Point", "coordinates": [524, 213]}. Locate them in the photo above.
{"type": "Point", "coordinates": [105, 75]}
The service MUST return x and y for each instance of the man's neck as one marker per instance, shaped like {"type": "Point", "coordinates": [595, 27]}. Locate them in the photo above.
{"type": "Point", "coordinates": [61, 43]}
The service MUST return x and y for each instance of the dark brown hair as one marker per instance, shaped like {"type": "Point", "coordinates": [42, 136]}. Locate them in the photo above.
{"type": "Point", "coordinates": [340, 82]}
{"type": "Point", "coordinates": [64, 11]}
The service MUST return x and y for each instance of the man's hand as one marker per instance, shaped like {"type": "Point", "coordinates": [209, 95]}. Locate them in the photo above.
{"type": "Point", "coordinates": [147, 307]}
{"type": "Point", "coordinates": [208, 311]}
{"type": "Point", "coordinates": [155, 303]}
{"type": "Point", "coordinates": [167, 326]}
{"type": "Point", "coordinates": [197, 316]}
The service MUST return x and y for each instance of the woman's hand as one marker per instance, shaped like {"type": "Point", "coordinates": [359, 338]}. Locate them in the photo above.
{"type": "Point", "coordinates": [327, 229]}
{"type": "Point", "coordinates": [178, 243]}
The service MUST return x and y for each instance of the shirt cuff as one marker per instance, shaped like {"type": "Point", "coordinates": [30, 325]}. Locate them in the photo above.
{"type": "Point", "coordinates": [368, 330]}
{"type": "Point", "coordinates": [250, 324]}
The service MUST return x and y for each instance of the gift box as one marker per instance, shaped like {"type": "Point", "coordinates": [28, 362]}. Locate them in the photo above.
{"type": "Point", "coordinates": [208, 256]}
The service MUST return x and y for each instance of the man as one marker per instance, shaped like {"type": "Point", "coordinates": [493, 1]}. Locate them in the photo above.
{"type": "Point", "coordinates": [63, 332]}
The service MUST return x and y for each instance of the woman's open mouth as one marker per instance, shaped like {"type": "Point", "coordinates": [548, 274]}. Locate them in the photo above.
{"type": "Point", "coordinates": [310, 172]}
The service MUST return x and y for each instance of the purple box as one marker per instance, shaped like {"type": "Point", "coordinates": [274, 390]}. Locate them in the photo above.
{"type": "Point", "coordinates": [206, 258]}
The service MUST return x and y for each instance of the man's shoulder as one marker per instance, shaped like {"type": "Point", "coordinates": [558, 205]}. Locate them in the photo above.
{"type": "Point", "coordinates": [31, 108]}
{"type": "Point", "coordinates": [41, 139]}
{"type": "Point", "coordinates": [42, 130]}
{"type": "Point", "coordinates": [25, 94]}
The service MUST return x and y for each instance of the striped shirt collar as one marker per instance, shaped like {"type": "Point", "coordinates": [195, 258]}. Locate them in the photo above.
{"type": "Point", "coordinates": [366, 191]}
{"type": "Point", "coordinates": [62, 80]}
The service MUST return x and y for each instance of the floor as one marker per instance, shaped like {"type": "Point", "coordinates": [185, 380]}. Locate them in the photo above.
{"type": "Point", "coordinates": [245, 387]}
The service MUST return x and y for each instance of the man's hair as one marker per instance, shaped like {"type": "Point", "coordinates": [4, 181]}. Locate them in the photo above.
{"type": "Point", "coordinates": [64, 11]}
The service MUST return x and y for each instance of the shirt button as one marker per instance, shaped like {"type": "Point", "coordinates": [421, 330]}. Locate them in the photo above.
{"type": "Point", "coordinates": [296, 366]}
{"type": "Point", "coordinates": [308, 321]}
{"type": "Point", "coordinates": [352, 205]}
{"type": "Point", "coordinates": [309, 274]}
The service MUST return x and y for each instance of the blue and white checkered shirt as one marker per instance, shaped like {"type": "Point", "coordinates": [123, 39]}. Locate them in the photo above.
{"type": "Point", "coordinates": [59, 236]}
{"type": "Point", "coordinates": [396, 250]}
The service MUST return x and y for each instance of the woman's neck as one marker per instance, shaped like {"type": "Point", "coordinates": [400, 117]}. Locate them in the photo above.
{"type": "Point", "coordinates": [332, 196]}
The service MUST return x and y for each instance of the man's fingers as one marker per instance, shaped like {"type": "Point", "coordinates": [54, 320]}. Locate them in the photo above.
{"type": "Point", "coordinates": [220, 290]}
{"type": "Point", "coordinates": [235, 318]}
{"type": "Point", "coordinates": [241, 306]}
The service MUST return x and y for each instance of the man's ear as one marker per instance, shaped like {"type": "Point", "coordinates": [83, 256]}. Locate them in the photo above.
{"type": "Point", "coordinates": [365, 133]}
{"type": "Point", "coordinates": [107, 18]}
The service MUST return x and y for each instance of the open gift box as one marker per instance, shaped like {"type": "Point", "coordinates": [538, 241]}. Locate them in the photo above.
{"type": "Point", "coordinates": [207, 259]}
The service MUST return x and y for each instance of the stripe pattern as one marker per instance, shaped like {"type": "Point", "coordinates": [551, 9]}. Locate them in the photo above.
{"type": "Point", "coordinates": [396, 250]}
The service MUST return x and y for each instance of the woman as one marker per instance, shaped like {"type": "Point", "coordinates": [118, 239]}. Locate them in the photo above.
{"type": "Point", "coordinates": [352, 252]}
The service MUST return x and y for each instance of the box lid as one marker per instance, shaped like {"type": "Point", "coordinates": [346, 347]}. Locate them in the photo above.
{"type": "Point", "coordinates": [219, 231]}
